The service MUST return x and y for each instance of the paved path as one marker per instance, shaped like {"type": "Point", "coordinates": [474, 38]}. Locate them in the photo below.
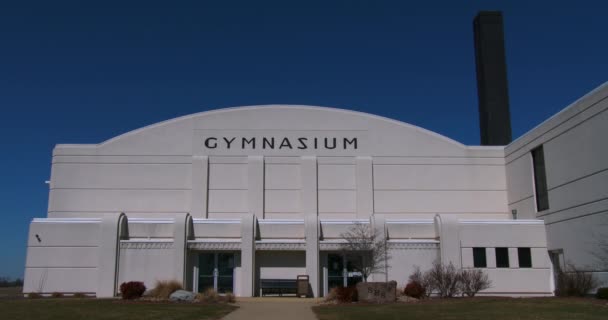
{"type": "Point", "coordinates": [273, 308]}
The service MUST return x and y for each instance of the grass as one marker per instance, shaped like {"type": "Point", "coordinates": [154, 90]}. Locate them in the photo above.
{"type": "Point", "coordinates": [102, 309]}
{"type": "Point", "coordinates": [11, 292]}
{"type": "Point", "coordinates": [471, 309]}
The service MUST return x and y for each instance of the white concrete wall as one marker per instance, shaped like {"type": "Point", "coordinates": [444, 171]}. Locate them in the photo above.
{"type": "Point", "coordinates": [148, 264]}
{"type": "Point", "coordinates": [282, 187]}
{"type": "Point", "coordinates": [513, 234]}
{"type": "Point", "coordinates": [60, 263]}
{"type": "Point", "coordinates": [576, 160]}
{"type": "Point", "coordinates": [404, 260]}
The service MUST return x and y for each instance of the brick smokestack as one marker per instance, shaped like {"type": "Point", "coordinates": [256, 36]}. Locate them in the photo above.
{"type": "Point", "coordinates": [492, 88]}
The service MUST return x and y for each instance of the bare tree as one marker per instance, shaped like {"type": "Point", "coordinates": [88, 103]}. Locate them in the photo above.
{"type": "Point", "coordinates": [368, 249]}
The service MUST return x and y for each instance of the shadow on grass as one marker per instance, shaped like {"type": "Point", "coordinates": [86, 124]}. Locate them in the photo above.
{"type": "Point", "coordinates": [471, 309]}
{"type": "Point", "coordinates": [94, 309]}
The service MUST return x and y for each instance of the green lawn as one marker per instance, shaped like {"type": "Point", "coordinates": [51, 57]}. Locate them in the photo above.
{"type": "Point", "coordinates": [94, 309]}
{"type": "Point", "coordinates": [10, 292]}
{"type": "Point", "coordinates": [472, 309]}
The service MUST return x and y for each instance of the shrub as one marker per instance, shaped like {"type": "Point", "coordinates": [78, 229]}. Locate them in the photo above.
{"type": "Point", "coordinates": [602, 293]}
{"type": "Point", "coordinates": [208, 296]}
{"type": "Point", "coordinates": [331, 295]}
{"type": "Point", "coordinates": [211, 296]}
{"type": "Point", "coordinates": [473, 281]}
{"type": "Point", "coordinates": [574, 282]}
{"type": "Point", "coordinates": [229, 297]}
{"type": "Point", "coordinates": [57, 295]}
{"type": "Point", "coordinates": [346, 294]}
{"type": "Point", "coordinates": [34, 295]}
{"type": "Point", "coordinates": [79, 295]}
{"type": "Point", "coordinates": [422, 279]}
{"type": "Point", "coordinates": [132, 290]}
{"type": "Point", "coordinates": [164, 289]}
{"type": "Point", "coordinates": [444, 279]}
{"type": "Point", "coordinates": [414, 289]}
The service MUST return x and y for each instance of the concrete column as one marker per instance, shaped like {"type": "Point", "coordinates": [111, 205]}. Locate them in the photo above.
{"type": "Point", "coordinates": [379, 225]}
{"type": "Point", "coordinates": [255, 168]}
{"type": "Point", "coordinates": [247, 255]}
{"type": "Point", "coordinates": [312, 253]}
{"type": "Point", "coordinates": [365, 188]}
{"type": "Point", "coordinates": [310, 210]}
{"type": "Point", "coordinates": [107, 264]}
{"type": "Point", "coordinates": [180, 227]}
{"type": "Point", "coordinates": [449, 239]}
{"type": "Point", "coordinates": [200, 187]}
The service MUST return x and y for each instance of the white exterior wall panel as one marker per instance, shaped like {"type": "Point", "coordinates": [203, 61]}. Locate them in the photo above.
{"type": "Point", "coordinates": [68, 280]}
{"type": "Point", "coordinates": [82, 201]}
{"type": "Point", "coordinates": [157, 262]}
{"type": "Point", "coordinates": [62, 257]}
{"type": "Point", "coordinates": [228, 201]}
{"type": "Point", "coordinates": [439, 177]}
{"type": "Point", "coordinates": [400, 201]}
{"type": "Point", "coordinates": [121, 176]}
{"type": "Point", "coordinates": [337, 201]}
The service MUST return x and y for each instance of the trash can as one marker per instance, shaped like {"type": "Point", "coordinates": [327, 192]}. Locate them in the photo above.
{"type": "Point", "coordinates": [302, 286]}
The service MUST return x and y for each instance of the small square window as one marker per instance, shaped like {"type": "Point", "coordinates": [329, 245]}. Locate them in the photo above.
{"type": "Point", "coordinates": [479, 258]}
{"type": "Point", "coordinates": [525, 257]}
{"type": "Point", "coordinates": [502, 257]}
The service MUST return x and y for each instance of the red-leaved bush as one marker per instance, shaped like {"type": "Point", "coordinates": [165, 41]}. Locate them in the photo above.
{"type": "Point", "coordinates": [414, 289]}
{"type": "Point", "coordinates": [132, 290]}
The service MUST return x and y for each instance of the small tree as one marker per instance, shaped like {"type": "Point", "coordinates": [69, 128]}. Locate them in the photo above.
{"type": "Point", "coordinates": [368, 248]}
{"type": "Point", "coordinates": [473, 281]}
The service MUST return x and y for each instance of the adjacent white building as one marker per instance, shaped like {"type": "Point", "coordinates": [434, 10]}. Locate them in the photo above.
{"type": "Point", "coordinates": [229, 197]}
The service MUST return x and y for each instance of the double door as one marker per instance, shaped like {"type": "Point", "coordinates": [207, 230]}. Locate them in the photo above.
{"type": "Point", "coordinates": [342, 270]}
{"type": "Point", "coordinates": [216, 271]}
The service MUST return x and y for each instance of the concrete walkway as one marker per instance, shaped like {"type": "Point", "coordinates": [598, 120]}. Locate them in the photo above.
{"type": "Point", "coordinates": [271, 308]}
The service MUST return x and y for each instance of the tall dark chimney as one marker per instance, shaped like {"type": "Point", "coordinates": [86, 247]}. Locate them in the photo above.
{"type": "Point", "coordinates": [492, 91]}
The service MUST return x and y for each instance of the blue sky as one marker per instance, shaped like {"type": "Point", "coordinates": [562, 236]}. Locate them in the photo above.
{"type": "Point", "coordinates": [85, 71]}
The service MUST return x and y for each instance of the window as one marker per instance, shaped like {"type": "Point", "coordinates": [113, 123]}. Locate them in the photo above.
{"type": "Point", "coordinates": [502, 257]}
{"type": "Point", "coordinates": [525, 257]}
{"type": "Point", "coordinates": [479, 257]}
{"type": "Point", "coordinates": [540, 179]}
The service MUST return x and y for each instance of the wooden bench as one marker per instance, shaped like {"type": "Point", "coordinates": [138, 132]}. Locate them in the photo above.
{"type": "Point", "coordinates": [278, 286]}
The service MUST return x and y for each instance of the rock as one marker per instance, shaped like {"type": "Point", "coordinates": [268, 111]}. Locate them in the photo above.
{"type": "Point", "coordinates": [377, 292]}
{"type": "Point", "coordinates": [182, 295]}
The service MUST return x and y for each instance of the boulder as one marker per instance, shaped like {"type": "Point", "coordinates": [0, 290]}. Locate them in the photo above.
{"type": "Point", "coordinates": [182, 295]}
{"type": "Point", "coordinates": [377, 292]}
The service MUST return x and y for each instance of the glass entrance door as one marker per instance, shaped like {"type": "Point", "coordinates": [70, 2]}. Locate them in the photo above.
{"type": "Point", "coordinates": [225, 272]}
{"type": "Point", "coordinates": [206, 271]}
{"type": "Point", "coordinates": [335, 271]}
{"type": "Point", "coordinates": [342, 270]}
{"type": "Point", "coordinates": [216, 271]}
